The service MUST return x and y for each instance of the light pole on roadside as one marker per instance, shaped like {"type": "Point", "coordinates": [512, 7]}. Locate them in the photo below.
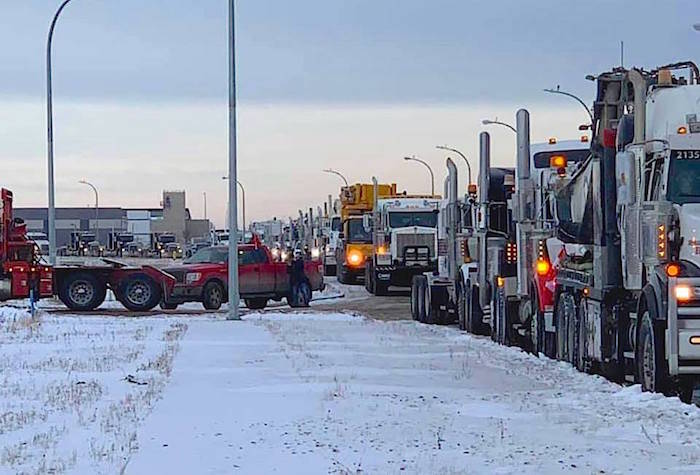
{"type": "Point", "coordinates": [574, 97]}
{"type": "Point", "coordinates": [498, 122]}
{"type": "Point", "coordinates": [233, 291]}
{"type": "Point", "coordinates": [242, 202]}
{"type": "Point", "coordinates": [204, 193]}
{"type": "Point", "coordinates": [97, 209]}
{"type": "Point", "coordinates": [49, 132]}
{"type": "Point", "coordinates": [469, 167]}
{"type": "Point", "coordinates": [432, 175]}
{"type": "Point", "coordinates": [334, 172]}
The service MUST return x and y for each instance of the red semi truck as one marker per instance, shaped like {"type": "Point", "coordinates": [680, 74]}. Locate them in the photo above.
{"type": "Point", "coordinates": [138, 288]}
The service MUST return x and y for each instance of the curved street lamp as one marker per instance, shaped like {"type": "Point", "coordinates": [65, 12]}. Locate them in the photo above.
{"type": "Point", "coordinates": [498, 122]}
{"type": "Point", "coordinates": [97, 209]}
{"type": "Point", "coordinates": [334, 172]}
{"type": "Point", "coordinates": [432, 175]}
{"type": "Point", "coordinates": [49, 133]}
{"type": "Point", "coordinates": [574, 97]}
{"type": "Point", "coordinates": [469, 167]}
{"type": "Point", "coordinates": [242, 202]}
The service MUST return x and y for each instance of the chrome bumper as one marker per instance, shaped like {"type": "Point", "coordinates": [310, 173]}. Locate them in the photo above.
{"type": "Point", "coordinates": [683, 323]}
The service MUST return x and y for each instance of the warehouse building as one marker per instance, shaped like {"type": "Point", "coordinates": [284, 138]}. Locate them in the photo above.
{"type": "Point", "coordinates": [172, 217]}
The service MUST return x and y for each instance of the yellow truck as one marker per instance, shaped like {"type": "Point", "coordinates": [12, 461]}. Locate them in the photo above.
{"type": "Point", "coordinates": [355, 245]}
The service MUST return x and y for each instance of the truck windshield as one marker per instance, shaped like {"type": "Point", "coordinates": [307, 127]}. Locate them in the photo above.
{"type": "Point", "coordinates": [208, 255]}
{"type": "Point", "coordinates": [356, 232]}
{"type": "Point", "coordinates": [684, 177]}
{"type": "Point", "coordinates": [427, 219]}
{"type": "Point", "coordinates": [335, 224]}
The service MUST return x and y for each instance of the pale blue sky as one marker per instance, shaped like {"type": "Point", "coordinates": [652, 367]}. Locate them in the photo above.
{"type": "Point", "coordinates": [141, 85]}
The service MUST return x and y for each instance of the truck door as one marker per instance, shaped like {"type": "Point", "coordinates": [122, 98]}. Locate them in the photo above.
{"type": "Point", "coordinates": [248, 272]}
{"type": "Point", "coordinates": [268, 279]}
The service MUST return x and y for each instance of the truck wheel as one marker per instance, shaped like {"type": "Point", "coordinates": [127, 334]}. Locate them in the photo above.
{"type": "Point", "coordinates": [168, 306]}
{"type": "Point", "coordinates": [82, 291]}
{"type": "Point", "coordinates": [139, 293]}
{"type": "Point", "coordinates": [475, 324]}
{"type": "Point", "coordinates": [369, 284]}
{"type": "Point", "coordinates": [561, 330]}
{"type": "Point", "coordinates": [431, 311]}
{"type": "Point", "coordinates": [462, 309]}
{"type": "Point", "coordinates": [499, 323]}
{"type": "Point", "coordinates": [342, 274]}
{"type": "Point", "coordinates": [414, 297]}
{"type": "Point", "coordinates": [652, 367]}
{"type": "Point", "coordinates": [380, 289]}
{"type": "Point", "coordinates": [258, 303]}
{"type": "Point", "coordinates": [582, 362]}
{"type": "Point", "coordinates": [421, 307]}
{"type": "Point", "coordinates": [213, 296]}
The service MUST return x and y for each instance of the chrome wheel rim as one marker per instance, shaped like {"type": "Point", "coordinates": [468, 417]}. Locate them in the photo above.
{"type": "Point", "coordinates": [81, 292]}
{"type": "Point", "coordinates": [139, 293]}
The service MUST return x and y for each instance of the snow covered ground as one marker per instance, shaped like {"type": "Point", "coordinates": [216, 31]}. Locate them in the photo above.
{"type": "Point", "coordinates": [313, 393]}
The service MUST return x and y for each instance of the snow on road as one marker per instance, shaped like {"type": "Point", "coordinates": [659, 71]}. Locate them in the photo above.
{"type": "Point", "coordinates": [324, 393]}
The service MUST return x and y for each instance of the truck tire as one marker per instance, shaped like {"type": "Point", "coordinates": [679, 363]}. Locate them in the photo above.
{"type": "Point", "coordinates": [82, 291]}
{"type": "Point", "coordinates": [652, 367]}
{"type": "Point", "coordinates": [343, 277]}
{"type": "Point", "coordinates": [257, 303]}
{"type": "Point", "coordinates": [431, 311]}
{"type": "Point", "coordinates": [380, 289]}
{"type": "Point", "coordinates": [421, 307]}
{"type": "Point", "coordinates": [168, 306]}
{"type": "Point", "coordinates": [582, 361]}
{"type": "Point", "coordinates": [414, 297]}
{"type": "Point", "coordinates": [475, 324]}
{"type": "Point", "coordinates": [213, 296]}
{"type": "Point", "coordinates": [565, 318]}
{"type": "Point", "coordinates": [369, 284]}
{"type": "Point", "coordinates": [462, 309]}
{"type": "Point", "coordinates": [499, 317]}
{"type": "Point", "coordinates": [139, 293]}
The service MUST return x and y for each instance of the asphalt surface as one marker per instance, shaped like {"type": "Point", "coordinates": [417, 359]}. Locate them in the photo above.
{"type": "Point", "coordinates": [395, 306]}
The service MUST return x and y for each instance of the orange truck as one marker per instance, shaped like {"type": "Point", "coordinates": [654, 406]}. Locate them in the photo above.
{"type": "Point", "coordinates": [355, 243]}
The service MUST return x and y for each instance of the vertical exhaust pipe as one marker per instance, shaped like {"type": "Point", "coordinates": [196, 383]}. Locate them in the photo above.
{"type": "Point", "coordinates": [375, 215]}
{"type": "Point", "coordinates": [451, 192]}
{"type": "Point", "coordinates": [640, 97]}
{"type": "Point", "coordinates": [525, 214]}
{"type": "Point", "coordinates": [484, 181]}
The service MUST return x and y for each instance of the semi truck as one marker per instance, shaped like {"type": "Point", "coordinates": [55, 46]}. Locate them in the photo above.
{"type": "Point", "coordinates": [404, 240]}
{"type": "Point", "coordinates": [355, 243]}
{"type": "Point", "coordinates": [628, 288]}
{"type": "Point", "coordinates": [523, 297]}
{"type": "Point", "coordinates": [472, 232]}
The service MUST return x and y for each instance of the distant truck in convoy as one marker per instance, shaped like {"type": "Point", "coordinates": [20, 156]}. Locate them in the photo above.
{"type": "Point", "coordinates": [628, 288]}
{"type": "Point", "coordinates": [404, 238]}
{"type": "Point", "coordinates": [355, 242]}
{"type": "Point", "coordinates": [333, 238]}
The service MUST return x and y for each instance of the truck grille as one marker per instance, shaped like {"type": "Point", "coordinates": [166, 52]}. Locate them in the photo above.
{"type": "Point", "coordinates": [179, 274]}
{"type": "Point", "coordinates": [425, 241]}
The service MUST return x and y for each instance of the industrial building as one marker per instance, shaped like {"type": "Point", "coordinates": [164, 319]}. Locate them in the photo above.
{"type": "Point", "coordinates": [171, 217]}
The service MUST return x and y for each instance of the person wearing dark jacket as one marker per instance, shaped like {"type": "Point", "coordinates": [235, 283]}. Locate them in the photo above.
{"type": "Point", "coordinates": [299, 283]}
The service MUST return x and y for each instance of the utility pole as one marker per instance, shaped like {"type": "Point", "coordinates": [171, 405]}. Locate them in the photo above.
{"type": "Point", "coordinates": [233, 294]}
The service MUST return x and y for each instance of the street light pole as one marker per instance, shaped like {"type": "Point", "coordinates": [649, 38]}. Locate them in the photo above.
{"type": "Point", "coordinates": [234, 296]}
{"type": "Point", "coordinates": [574, 97]}
{"type": "Point", "coordinates": [49, 130]}
{"type": "Point", "coordinates": [334, 172]}
{"type": "Point", "coordinates": [242, 201]}
{"type": "Point", "coordinates": [205, 204]}
{"type": "Point", "coordinates": [432, 175]}
{"type": "Point", "coordinates": [469, 167]}
{"type": "Point", "coordinates": [498, 122]}
{"type": "Point", "coordinates": [97, 209]}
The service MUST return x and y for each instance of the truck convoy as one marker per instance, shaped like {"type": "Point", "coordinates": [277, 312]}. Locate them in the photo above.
{"type": "Point", "coordinates": [587, 256]}
{"type": "Point", "coordinates": [404, 240]}
{"type": "Point", "coordinates": [355, 242]}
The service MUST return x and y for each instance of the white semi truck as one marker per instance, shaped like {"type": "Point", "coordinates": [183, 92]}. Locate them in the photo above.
{"type": "Point", "coordinates": [628, 301]}
{"type": "Point", "coordinates": [405, 241]}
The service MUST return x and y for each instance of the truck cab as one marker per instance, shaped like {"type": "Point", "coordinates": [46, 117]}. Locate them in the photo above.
{"type": "Point", "coordinates": [405, 241]}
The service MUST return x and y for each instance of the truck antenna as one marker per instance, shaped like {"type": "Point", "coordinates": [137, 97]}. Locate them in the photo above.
{"type": "Point", "coordinates": [622, 54]}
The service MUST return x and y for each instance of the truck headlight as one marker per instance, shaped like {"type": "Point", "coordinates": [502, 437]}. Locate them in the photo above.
{"type": "Point", "coordinates": [315, 252]}
{"type": "Point", "coordinates": [683, 293]}
{"type": "Point", "coordinates": [355, 258]}
{"type": "Point", "coordinates": [192, 277]}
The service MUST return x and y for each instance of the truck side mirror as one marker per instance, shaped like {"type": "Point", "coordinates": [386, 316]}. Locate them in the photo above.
{"type": "Point", "coordinates": [367, 222]}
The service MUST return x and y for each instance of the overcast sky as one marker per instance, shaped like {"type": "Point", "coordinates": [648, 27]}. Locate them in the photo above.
{"type": "Point", "coordinates": [140, 89]}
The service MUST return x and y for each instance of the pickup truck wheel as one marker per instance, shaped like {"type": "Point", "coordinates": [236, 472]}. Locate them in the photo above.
{"type": "Point", "coordinates": [168, 306]}
{"type": "Point", "coordinates": [82, 291]}
{"type": "Point", "coordinates": [139, 293]}
{"type": "Point", "coordinates": [213, 296]}
{"type": "Point", "coordinates": [258, 303]}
